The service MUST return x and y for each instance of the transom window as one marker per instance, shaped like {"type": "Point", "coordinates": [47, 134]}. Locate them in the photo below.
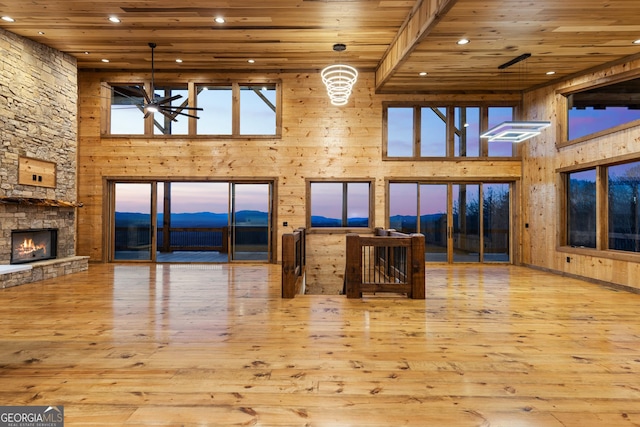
{"type": "Point", "coordinates": [434, 131]}
{"type": "Point", "coordinates": [231, 109]}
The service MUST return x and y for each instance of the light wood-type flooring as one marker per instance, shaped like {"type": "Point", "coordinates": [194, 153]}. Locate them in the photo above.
{"type": "Point", "coordinates": [214, 345]}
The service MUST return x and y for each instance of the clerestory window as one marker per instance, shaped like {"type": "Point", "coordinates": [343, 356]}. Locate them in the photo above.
{"type": "Point", "coordinates": [230, 110]}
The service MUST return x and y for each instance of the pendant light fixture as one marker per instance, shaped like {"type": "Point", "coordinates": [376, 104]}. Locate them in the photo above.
{"type": "Point", "coordinates": [339, 79]}
{"type": "Point", "coordinates": [515, 131]}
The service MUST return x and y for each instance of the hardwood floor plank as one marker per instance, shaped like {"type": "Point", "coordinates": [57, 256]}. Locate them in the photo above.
{"type": "Point", "coordinates": [165, 345]}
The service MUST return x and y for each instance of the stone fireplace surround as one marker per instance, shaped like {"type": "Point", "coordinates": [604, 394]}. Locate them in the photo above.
{"type": "Point", "coordinates": [24, 217]}
{"type": "Point", "coordinates": [38, 120]}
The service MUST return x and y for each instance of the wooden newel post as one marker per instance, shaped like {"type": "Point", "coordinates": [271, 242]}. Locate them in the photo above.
{"type": "Point", "coordinates": [288, 267]}
{"type": "Point", "coordinates": [353, 268]}
{"type": "Point", "coordinates": [418, 284]}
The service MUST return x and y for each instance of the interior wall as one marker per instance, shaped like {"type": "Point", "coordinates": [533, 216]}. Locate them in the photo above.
{"type": "Point", "coordinates": [542, 200]}
{"type": "Point", "coordinates": [318, 141]}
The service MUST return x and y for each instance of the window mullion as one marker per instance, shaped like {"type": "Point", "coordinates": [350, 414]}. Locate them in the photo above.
{"type": "Point", "coordinates": [417, 119]}
{"type": "Point", "coordinates": [602, 202]}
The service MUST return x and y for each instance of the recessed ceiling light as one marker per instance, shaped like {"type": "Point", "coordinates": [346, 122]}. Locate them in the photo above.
{"type": "Point", "coordinates": [41, 33]}
{"type": "Point", "coordinates": [8, 19]}
{"type": "Point", "coordinates": [105, 60]}
{"type": "Point", "coordinates": [463, 41]}
{"type": "Point", "coordinates": [114, 19]}
{"type": "Point", "coordinates": [550, 73]}
{"type": "Point", "coordinates": [634, 42]}
{"type": "Point", "coordinates": [179, 61]}
{"type": "Point", "coordinates": [219, 20]}
{"type": "Point", "coordinates": [251, 61]}
{"type": "Point", "coordinates": [423, 73]}
{"type": "Point", "coordinates": [86, 52]}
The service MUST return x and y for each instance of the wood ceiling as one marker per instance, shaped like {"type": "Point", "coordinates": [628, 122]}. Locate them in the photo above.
{"type": "Point", "coordinates": [397, 39]}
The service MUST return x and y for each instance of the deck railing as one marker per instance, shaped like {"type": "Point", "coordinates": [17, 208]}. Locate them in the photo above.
{"type": "Point", "coordinates": [194, 239]}
{"type": "Point", "coordinates": [389, 261]}
{"type": "Point", "coordinates": [293, 263]}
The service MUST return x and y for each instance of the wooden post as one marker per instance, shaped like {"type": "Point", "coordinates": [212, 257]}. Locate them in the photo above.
{"type": "Point", "coordinates": [288, 266]}
{"type": "Point", "coordinates": [353, 268]}
{"type": "Point", "coordinates": [418, 284]}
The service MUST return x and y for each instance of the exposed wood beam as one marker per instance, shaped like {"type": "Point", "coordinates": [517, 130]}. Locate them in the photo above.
{"type": "Point", "coordinates": [418, 24]}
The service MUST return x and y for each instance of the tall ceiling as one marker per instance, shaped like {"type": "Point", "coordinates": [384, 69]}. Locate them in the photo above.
{"type": "Point", "coordinates": [398, 39]}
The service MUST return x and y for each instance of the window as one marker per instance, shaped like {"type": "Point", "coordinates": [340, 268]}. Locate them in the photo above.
{"type": "Point", "coordinates": [258, 110]}
{"type": "Point", "coordinates": [334, 204]}
{"type": "Point", "coordinates": [581, 209]}
{"type": "Point", "coordinates": [602, 210]}
{"type": "Point", "coordinates": [601, 109]}
{"type": "Point", "coordinates": [217, 104]}
{"type": "Point", "coordinates": [436, 131]}
{"type": "Point", "coordinates": [231, 110]}
{"type": "Point", "coordinates": [175, 124]}
{"type": "Point", "coordinates": [499, 115]}
{"type": "Point", "coordinates": [433, 132]}
{"type": "Point", "coordinates": [624, 207]}
{"type": "Point", "coordinates": [126, 110]}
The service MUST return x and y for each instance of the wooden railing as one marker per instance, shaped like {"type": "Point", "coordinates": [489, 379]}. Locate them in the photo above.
{"type": "Point", "coordinates": [389, 261]}
{"type": "Point", "coordinates": [293, 263]}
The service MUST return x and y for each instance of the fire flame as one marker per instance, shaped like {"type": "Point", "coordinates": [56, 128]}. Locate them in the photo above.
{"type": "Point", "coordinates": [28, 247]}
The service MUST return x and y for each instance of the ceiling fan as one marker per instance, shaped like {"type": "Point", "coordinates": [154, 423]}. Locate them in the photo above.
{"type": "Point", "coordinates": [154, 103]}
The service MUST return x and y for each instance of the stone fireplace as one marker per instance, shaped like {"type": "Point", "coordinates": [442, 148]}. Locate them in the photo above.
{"type": "Point", "coordinates": [33, 245]}
{"type": "Point", "coordinates": [38, 150]}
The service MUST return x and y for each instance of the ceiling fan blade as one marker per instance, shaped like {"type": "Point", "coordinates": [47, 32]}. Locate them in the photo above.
{"type": "Point", "coordinates": [140, 91]}
{"type": "Point", "coordinates": [116, 91]}
{"type": "Point", "coordinates": [167, 99]}
{"type": "Point", "coordinates": [187, 115]}
{"type": "Point", "coordinates": [175, 111]}
{"type": "Point", "coordinates": [168, 114]}
{"type": "Point", "coordinates": [178, 108]}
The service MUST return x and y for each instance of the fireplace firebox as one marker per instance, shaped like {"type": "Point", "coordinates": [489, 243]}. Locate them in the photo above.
{"type": "Point", "coordinates": [33, 245]}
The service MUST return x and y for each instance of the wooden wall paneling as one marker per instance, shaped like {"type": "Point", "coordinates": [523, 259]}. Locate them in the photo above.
{"type": "Point", "coordinates": [544, 160]}
{"type": "Point", "coordinates": [318, 140]}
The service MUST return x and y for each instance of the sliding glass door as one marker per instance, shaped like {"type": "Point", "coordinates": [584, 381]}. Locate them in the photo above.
{"type": "Point", "coordinates": [250, 221]}
{"type": "Point", "coordinates": [466, 222]}
{"type": "Point", "coordinates": [190, 221]}
{"type": "Point", "coordinates": [434, 221]}
{"type": "Point", "coordinates": [133, 237]}
{"type": "Point", "coordinates": [461, 222]}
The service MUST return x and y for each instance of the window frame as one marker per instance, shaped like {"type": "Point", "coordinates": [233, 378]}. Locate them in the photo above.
{"type": "Point", "coordinates": [562, 107]}
{"type": "Point", "coordinates": [483, 106]}
{"type": "Point", "coordinates": [348, 229]}
{"type": "Point", "coordinates": [602, 210]}
{"type": "Point", "coordinates": [567, 185]}
{"type": "Point", "coordinates": [192, 85]}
